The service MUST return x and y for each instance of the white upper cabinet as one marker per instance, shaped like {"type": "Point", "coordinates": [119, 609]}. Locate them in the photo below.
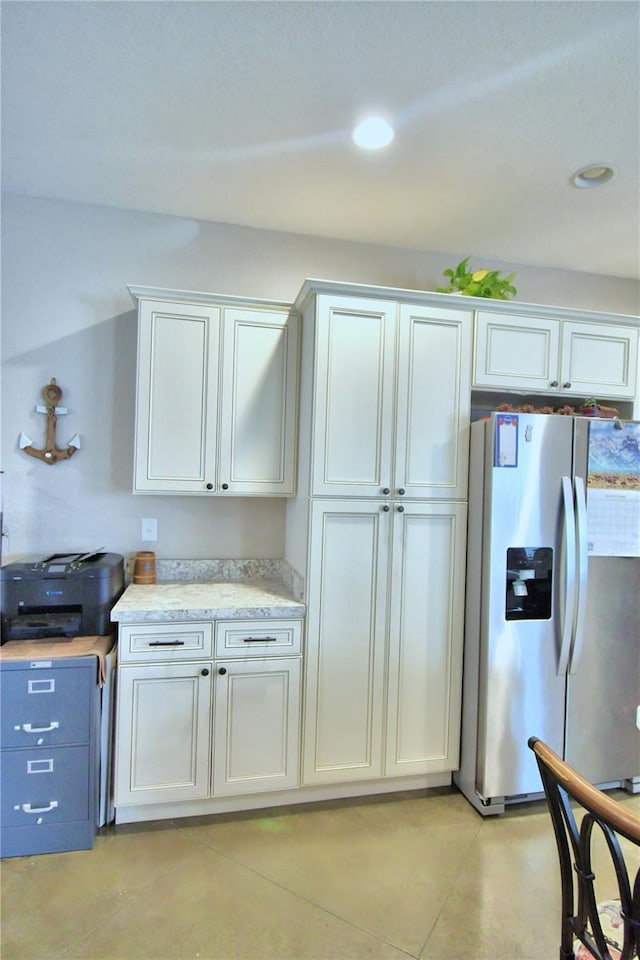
{"type": "Point", "coordinates": [599, 361]}
{"type": "Point", "coordinates": [259, 401]}
{"type": "Point", "coordinates": [433, 399]}
{"type": "Point", "coordinates": [540, 354]}
{"type": "Point", "coordinates": [216, 404]}
{"type": "Point", "coordinates": [354, 388]}
{"type": "Point", "coordinates": [177, 397]}
{"type": "Point", "coordinates": [391, 399]}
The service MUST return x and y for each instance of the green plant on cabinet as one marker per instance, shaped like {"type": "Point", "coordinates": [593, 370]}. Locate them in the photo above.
{"type": "Point", "coordinates": [478, 283]}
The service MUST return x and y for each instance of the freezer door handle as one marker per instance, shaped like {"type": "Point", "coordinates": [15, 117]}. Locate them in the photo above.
{"type": "Point", "coordinates": [583, 571]}
{"type": "Point", "coordinates": [570, 575]}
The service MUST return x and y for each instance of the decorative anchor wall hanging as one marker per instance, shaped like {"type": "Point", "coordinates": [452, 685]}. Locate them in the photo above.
{"type": "Point", "coordinates": [51, 453]}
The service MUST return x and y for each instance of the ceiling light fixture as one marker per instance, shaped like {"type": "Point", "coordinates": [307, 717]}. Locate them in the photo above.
{"type": "Point", "coordinates": [373, 133]}
{"type": "Point", "coordinates": [593, 176]}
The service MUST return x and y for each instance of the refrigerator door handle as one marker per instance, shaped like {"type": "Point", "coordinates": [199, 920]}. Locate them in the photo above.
{"type": "Point", "coordinates": [570, 576]}
{"type": "Point", "coordinates": [583, 570]}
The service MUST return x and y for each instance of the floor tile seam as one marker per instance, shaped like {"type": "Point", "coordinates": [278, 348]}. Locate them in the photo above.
{"type": "Point", "coordinates": [315, 904]}
{"type": "Point", "coordinates": [127, 899]}
{"type": "Point", "coordinates": [452, 887]}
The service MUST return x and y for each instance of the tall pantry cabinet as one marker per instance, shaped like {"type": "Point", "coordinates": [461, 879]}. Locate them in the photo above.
{"type": "Point", "coordinates": [378, 529]}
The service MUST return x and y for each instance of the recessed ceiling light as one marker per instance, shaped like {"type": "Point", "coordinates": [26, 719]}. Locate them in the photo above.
{"type": "Point", "coordinates": [373, 133]}
{"type": "Point", "coordinates": [593, 176]}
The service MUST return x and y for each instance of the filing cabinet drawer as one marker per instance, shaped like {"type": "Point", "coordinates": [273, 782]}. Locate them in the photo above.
{"type": "Point", "coordinates": [45, 705]}
{"type": "Point", "coordinates": [165, 641]}
{"type": "Point", "coordinates": [44, 786]}
{"type": "Point", "coordinates": [258, 638]}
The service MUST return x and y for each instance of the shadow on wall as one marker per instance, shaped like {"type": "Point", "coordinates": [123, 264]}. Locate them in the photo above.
{"type": "Point", "coordinates": [65, 505]}
{"type": "Point", "coordinates": [96, 370]}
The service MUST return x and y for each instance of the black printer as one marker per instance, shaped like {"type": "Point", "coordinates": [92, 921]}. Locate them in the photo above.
{"type": "Point", "coordinates": [62, 595]}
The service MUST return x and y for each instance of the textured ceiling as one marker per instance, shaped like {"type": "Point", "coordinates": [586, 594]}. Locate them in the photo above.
{"type": "Point", "coordinates": [242, 112]}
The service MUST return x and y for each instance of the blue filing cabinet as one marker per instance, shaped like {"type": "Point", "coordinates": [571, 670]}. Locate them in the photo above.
{"type": "Point", "coordinates": [49, 755]}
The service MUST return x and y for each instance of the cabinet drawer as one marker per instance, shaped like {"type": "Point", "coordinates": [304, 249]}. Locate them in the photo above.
{"type": "Point", "coordinates": [258, 638]}
{"type": "Point", "coordinates": [46, 706]}
{"type": "Point", "coordinates": [165, 641]}
{"type": "Point", "coordinates": [44, 786]}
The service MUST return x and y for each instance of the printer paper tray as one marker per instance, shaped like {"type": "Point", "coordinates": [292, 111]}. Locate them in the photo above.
{"type": "Point", "coordinates": [37, 626]}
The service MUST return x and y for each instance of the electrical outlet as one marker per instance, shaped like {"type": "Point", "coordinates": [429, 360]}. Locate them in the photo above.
{"type": "Point", "coordinates": [148, 528]}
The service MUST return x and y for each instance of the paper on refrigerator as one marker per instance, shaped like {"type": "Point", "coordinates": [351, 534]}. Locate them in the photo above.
{"type": "Point", "coordinates": [613, 489]}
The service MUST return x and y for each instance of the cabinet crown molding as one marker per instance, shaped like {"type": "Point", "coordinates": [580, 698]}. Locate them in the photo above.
{"type": "Point", "coordinates": [313, 286]}
{"type": "Point", "coordinates": [137, 293]}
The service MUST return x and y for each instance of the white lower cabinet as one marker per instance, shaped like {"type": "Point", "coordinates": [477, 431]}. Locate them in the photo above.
{"type": "Point", "coordinates": [256, 726]}
{"type": "Point", "coordinates": [164, 733]}
{"type": "Point", "coordinates": [190, 726]}
{"type": "Point", "coordinates": [384, 639]}
{"type": "Point", "coordinates": [425, 638]}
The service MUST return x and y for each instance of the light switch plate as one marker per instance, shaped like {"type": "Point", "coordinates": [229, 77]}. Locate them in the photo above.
{"type": "Point", "coordinates": [149, 529]}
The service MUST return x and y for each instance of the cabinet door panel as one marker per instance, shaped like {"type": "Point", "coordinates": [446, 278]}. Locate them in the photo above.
{"type": "Point", "coordinates": [163, 733]}
{"type": "Point", "coordinates": [176, 397]}
{"type": "Point", "coordinates": [520, 352]}
{"type": "Point", "coordinates": [353, 396]}
{"type": "Point", "coordinates": [259, 402]}
{"type": "Point", "coordinates": [599, 360]}
{"type": "Point", "coordinates": [256, 727]}
{"type": "Point", "coordinates": [345, 642]}
{"type": "Point", "coordinates": [426, 630]}
{"type": "Point", "coordinates": [433, 404]}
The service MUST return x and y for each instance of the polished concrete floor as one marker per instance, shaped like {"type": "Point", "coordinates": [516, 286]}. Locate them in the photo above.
{"type": "Point", "coordinates": [419, 876]}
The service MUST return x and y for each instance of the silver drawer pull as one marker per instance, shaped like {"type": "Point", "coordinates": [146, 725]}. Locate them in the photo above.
{"type": "Point", "coordinates": [41, 686]}
{"type": "Point", "coordinates": [166, 643]}
{"type": "Point", "coordinates": [27, 808]}
{"type": "Point", "coordinates": [40, 766]}
{"type": "Point", "coordinates": [260, 640]}
{"type": "Point", "coordinates": [29, 728]}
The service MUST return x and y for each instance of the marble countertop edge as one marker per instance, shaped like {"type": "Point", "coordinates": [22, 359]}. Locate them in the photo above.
{"type": "Point", "coordinates": [204, 600]}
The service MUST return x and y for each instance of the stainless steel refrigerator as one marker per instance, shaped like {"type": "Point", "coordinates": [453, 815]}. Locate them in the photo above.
{"type": "Point", "coordinates": [552, 625]}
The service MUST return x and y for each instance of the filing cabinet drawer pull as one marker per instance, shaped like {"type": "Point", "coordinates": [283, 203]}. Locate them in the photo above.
{"type": "Point", "coordinates": [260, 640]}
{"type": "Point", "coordinates": [42, 686]}
{"type": "Point", "coordinates": [166, 643]}
{"type": "Point", "coordinates": [40, 766]}
{"type": "Point", "coordinates": [29, 728]}
{"type": "Point", "coordinates": [27, 808]}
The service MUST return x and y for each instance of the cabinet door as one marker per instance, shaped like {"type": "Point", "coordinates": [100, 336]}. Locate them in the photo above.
{"type": "Point", "coordinates": [425, 638]}
{"type": "Point", "coordinates": [599, 360]}
{"type": "Point", "coordinates": [345, 641]}
{"type": "Point", "coordinates": [258, 419]}
{"type": "Point", "coordinates": [433, 402]}
{"type": "Point", "coordinates": [256, 726]}
{"type": "Point", "coordinates": [176, 412]}
{"type": "Point", "coordinates": [517, 352]}
{"type": "Point", "coordinates": [163, 733]}
{"type": "Point", "coordinates": [353, 403]}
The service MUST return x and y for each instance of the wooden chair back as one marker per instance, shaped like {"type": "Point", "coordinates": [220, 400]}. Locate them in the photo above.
{"type": "Point", "coordinates": [565, 790]}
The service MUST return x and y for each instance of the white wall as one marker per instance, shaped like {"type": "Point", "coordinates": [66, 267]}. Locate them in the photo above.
{"type": "Point", "coordinates": [67, 314]}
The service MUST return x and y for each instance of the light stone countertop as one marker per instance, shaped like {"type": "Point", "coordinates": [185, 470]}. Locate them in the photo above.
{"type": "Point", "coordinates": [193, 600]}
